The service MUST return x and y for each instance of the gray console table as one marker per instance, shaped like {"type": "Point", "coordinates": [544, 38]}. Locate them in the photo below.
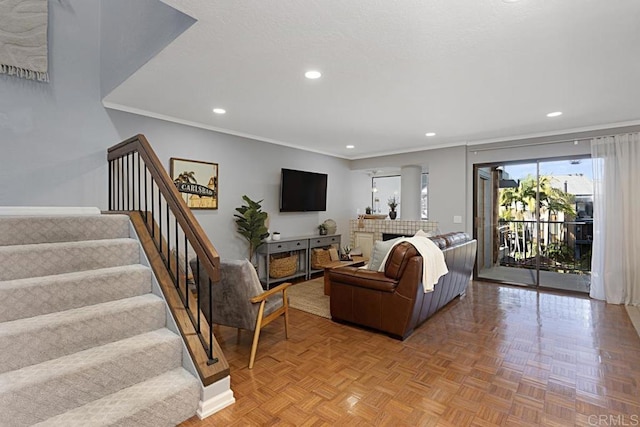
{"type": "Point", "coordinates": [302, 245]}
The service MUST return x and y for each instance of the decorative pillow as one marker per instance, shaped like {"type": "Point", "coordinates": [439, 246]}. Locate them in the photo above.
{"type": "Point", "coordinates": [380, 249]}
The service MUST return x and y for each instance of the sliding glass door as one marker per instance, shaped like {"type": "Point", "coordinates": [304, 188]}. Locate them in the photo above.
{"type": "Point", "coordinates": [533, 222]}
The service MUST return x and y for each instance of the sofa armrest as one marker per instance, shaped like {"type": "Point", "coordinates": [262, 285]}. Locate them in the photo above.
{"type": "Point", "coordinates": [375, 280]}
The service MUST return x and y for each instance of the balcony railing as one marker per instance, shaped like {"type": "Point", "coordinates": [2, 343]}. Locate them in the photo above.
{"type": "Point", "coordinates": [563, 246]}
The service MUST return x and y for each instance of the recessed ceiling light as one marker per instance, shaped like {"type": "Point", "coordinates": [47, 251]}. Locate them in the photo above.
{"type": "Point", "coordinates": [555, 114]}
{"type": "Point", "coordinates": [313, 74]}
{"type": "Point", "coordinates": [219, 110]}
{"type": "Point", "coordinates": [430, 134]}
{"type": "Point", "coordinates": [350, 146]}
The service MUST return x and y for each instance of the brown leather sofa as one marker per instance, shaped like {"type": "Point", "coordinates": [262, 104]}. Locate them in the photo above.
{"type": "Point", "coordinates": [393, 301]}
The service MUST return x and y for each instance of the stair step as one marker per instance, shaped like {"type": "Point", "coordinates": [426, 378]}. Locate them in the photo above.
{"type": "Point", "coordinates": [35, 296]}
{"type": "Point", "coordinates": [24, 230]}
{"type": "Point", "coordinates": [46, 259]}
{"type": "Point", "coordinates": [35, 393]}
{"type": "Point", "coordinates": [165, 400]}
{"type": "Point", "coordinates": [37, 339]}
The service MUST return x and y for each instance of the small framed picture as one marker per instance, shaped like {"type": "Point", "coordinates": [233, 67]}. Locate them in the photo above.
{"type": "Point", "coordinates": [197, 181]}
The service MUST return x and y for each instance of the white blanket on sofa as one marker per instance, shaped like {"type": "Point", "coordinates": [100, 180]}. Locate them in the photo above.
{"type": "Point", "coordinates": [433, 265]}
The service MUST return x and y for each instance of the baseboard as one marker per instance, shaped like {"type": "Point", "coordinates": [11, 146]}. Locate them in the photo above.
{"type": "Point", "coordinates": [47, 210]}
{"type": "Point", "coordinates": [215, 397]}
{"type": "Point", "coordinates": [215, 404]}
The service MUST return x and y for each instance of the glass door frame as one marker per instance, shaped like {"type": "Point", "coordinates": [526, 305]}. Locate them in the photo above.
{"type": "Point", "coordinates": [476, 226]}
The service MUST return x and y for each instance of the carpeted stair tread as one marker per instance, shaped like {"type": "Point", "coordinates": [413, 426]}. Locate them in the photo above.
{"type": "Point", "coordinates": [165, 400]}
{"type": "Point", "coordinates": [37, 392]}
{"type": "Point", "coordinates": [46, 259]}
{"type": "Point", "coordinates": [36, 339]}
{"type": "Point", "coordinates": [83, 341]}
{"type": "Point", "coordinates": [23, 230]}
{"type": "Point", "coordinates": [34, 296]}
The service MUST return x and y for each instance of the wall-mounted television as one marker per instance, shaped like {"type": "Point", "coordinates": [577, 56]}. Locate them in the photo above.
{"type": "Point", "coordinates": [302, 191]}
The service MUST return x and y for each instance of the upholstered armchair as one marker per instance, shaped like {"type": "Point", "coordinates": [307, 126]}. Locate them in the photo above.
{"type": "Point", "coordinates": [239, 301]}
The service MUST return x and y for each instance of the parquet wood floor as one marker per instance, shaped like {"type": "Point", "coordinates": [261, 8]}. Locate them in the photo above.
{"type": "Point", "coordinates": [498, 356]}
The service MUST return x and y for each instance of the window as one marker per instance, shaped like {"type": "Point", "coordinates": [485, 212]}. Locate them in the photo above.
{"type": "Point", "coordinates": [424, 195]}
{"type": "Point", "coordinates": [383, 188]}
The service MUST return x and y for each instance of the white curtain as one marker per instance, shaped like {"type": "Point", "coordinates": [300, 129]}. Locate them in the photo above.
{"type": "Point", "coordinates": [615, 262]}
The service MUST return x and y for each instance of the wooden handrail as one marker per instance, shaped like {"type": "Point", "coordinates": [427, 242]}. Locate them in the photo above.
{"type": "Point", "coordinates": [208, 373]}
{"type": "Point", "coordinates": [127, 160]}
{"type": "Point", "coordinates": [197, 237]}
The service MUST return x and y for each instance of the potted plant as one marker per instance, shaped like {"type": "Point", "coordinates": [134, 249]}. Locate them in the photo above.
{"type": "Point", "coordinates": [250, 222]}
{"type": "Point", "coordinates": [393, 204]}
{"type": "Point", "coordinates": [323, 229]}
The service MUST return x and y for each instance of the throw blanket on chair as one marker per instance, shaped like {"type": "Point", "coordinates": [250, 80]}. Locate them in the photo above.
{"type": "Point", "coordinates": [433, 264]}
{"type": "Point", "coordinates": [23, 39]}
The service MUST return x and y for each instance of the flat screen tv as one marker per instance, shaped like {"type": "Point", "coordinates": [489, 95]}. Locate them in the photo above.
{"type": "Point", "coordinates": [302, 191]}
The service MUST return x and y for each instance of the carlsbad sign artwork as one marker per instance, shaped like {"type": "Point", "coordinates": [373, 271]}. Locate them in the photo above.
{"type": "Point", "coordinates": [197, 182]}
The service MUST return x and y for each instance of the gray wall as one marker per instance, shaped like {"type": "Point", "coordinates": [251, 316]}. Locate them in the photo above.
{"type": "Point", "coordinates": [54, 139]}
{"type": "Point", "coordinates": [567, 145]}
{"type": "Point", "coordinates": [133, 32]}
{"type": "Point", "coordinates": [244, 167]}
{"type": "Point", "coordinates": [447, 182]}
{"type": "Point", "coordinates": [53, 136]}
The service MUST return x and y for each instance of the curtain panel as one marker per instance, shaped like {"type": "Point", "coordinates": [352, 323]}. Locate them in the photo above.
{"type": "Point", "coordinates": [615, 262]}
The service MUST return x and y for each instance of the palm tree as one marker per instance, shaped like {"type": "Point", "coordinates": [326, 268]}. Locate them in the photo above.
{"type": "Point", "coordinates": [186, 177]}
{"type": "Point", "coordinates": [516, 202]}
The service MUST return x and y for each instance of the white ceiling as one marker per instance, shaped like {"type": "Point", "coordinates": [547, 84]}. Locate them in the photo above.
{"type": "Point", "coordinates": [470, 70]}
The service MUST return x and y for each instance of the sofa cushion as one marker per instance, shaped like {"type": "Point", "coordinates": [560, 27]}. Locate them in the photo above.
{"type": "Point", "coordinates": [363, 278]}
{"type": "Point", "coordinates": [380, 249]}
{"type": "Point", "coordinates": [398, 259]}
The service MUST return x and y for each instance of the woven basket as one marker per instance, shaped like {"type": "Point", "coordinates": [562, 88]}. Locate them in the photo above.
{"type": "Point", "coordinates": [283, 265]}
{"type": "Point", "coordinates": [319, 258]}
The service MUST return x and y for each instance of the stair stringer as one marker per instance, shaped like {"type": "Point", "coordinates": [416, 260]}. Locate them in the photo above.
{"type": "Point", "coordinates": [213, 397]}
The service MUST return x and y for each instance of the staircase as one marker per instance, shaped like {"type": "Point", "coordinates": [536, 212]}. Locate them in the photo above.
{"type": "Point", "coordinates": [83, 340]}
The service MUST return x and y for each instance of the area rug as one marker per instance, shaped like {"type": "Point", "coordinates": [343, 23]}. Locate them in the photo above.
{"type": "Point", "coordinates": [309, 297]}
{"type": "Point", "coordinates": [23, 39]}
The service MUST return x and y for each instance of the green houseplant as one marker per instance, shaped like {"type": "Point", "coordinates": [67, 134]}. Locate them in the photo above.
{"type": "Point", "coordinates": [250, 223]}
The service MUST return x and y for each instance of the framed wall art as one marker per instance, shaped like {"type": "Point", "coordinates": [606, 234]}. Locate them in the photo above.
{"type": "Point", "coordinates": [197, 182]}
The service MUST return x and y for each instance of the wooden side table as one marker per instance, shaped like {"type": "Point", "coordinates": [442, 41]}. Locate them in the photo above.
{"type": "Point", "coordinates": [357, 261]}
